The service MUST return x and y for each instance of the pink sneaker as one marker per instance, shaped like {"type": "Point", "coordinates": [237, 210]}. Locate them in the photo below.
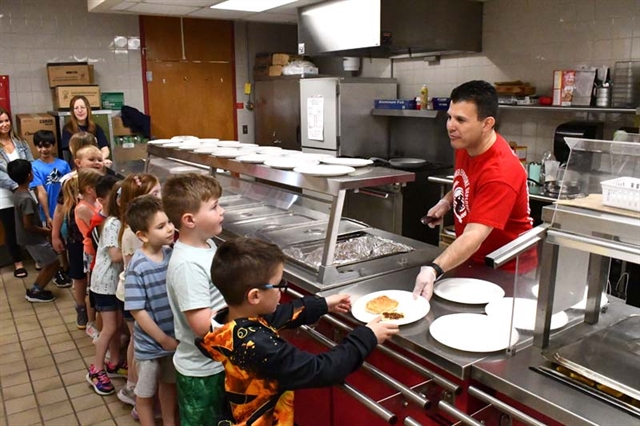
{"type": "Point", "coordinates": [100, 382]}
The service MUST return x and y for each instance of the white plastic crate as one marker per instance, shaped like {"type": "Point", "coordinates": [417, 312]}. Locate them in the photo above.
{"type": "Point", "coordinates": [622, 192]}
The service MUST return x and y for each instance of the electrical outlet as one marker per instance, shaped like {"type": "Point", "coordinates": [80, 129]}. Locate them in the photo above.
{"type": "Point", "coordinates": [245, 129]}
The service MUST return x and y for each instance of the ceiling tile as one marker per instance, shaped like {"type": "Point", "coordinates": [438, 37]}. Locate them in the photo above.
{"type": "Point", "coordinates": [220, 14]}
{"type": "Point", "coordinates": [199, 3]}
{"type": "Point", "coordinates": [162, 9]}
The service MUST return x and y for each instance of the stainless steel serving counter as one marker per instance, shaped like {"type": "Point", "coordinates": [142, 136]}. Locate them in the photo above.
{"type": "Point", "coordinates": [513, 378]}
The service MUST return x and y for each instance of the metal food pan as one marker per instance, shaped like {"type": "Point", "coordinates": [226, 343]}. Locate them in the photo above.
{"type": "Point", "coordinates": [350, 249]}
{"type": "Point", "coordinates": [249, 213]}
{"type": "Point", "coordinates": [309, 232]}
{"type": "Point", "coordinates": [252, 226]}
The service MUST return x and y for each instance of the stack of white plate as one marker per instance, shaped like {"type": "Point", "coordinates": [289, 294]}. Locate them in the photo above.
{"type": "Point", "coordinates": [250, 157]}
{"type": "Point", "coordinates": [190, 145]}
{"type": "Point", "coordinates": [288, 163]}
{"type": "Point", "coordinates": [351, 162]}
{"type": "Point", "coordinates": [209, 142]}
{"type": "Point", "coordinates": [174, 144]}
{"type": "Point", "coordinates": [271, 150]}
{"type": "Point", "coordinates": [160, 142]}
{"type": "Point", "coordinates": [308, 156]}
{"type": "Point", "coordinates": [205, 149]}
{"type": "Point", "coordinates": [229, 144]}
{"type": "Point", "coordinates": [226, 153]}
{"type": "Point", "coordinates": [323, 170]}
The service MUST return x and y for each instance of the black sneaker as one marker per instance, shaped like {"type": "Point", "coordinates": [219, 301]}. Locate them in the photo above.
{"type": "Point", "coordinates": [41, 296]}
{"type": "Point", "coordinates": [61, 280]}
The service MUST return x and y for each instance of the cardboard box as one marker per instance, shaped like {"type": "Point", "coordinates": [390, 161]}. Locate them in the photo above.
{"type": "Point", "coordinates": [261, 71]}
{"type": "Point", "coordinates": [275, 70]}
{"type": "Point", "coordinates": [279, 59]}
{"type": "Point", "coordinates": [563, 86]}
{"type": "Point", "coordinates": [62, 95]}
{"type": "Point", "coordinates": [69, 73]}
{"type": "Point", "coordinates": [119, 129]}
{"type": "Point", "coordinates": [262, 59]}
{"type": "Point", "coordinates": [112, 100]}
{"type": "Point", "coordinates": [28, 124]}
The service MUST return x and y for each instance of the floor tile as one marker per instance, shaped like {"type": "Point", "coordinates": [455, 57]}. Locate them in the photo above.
{"type": "Point", "coordinates": [68, 420]}
{"type": "Point", "coordinates": [18, 405]}
{"type": "Point", "coordinates": [74, 377]}
{"type": "Point", "coordinates": [39, 351]}
{"type": "Point", "coordinates": [42, 373]}
{"type": "Point", "coordinates": [58, 338]}
{"type": "Point", "coordinates": [9, 348]}
{"type": "Point", "coordinates": [15, 379]}
{"type": "Point", "coordinates": [41, 361]}
{"type": "Point", "coordinates": [29, 417]}
{"type": "Point", "coordinates": [79, 389]}
{"type": "Point", "coordinates": [51, 397]}
{"type": "Point", "coordinates": [67, 356]}
{"type": "Point", "coordinates": [86, 402]}
{"type": "Point", "coordinates": [62, 347]}
{"type": "Point", "coordinates": [93, 416]}
{"type": "Point", "coordinates": [17, 391]}
{"type": "Point", "coordinates": [48, 384]}
{"type": "Point", "coordinates": [56, 410]}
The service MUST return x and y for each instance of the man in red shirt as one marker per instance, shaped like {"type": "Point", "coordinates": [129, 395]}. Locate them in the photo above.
{"type": "Point", "coordinates": [489, 197]}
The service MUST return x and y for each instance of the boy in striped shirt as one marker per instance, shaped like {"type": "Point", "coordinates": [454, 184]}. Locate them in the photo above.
{"type": "Point", "coordinates": [146, 297]}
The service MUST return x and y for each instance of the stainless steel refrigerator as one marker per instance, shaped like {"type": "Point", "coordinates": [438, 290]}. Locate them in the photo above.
{"type": "Point", "coordinates": [335, 115]}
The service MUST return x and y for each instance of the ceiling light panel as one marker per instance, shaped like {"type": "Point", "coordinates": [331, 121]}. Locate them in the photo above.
{"type": "Point", "coordinates": [251, 5]}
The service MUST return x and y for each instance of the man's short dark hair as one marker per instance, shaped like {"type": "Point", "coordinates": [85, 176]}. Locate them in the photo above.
{"type": "Point", "coordinates": [18, 170]}
{"type": "Point", "coordinates": [241, 264]}
{"type": "Point", "coordinates": [141, 211]}
{"type": "Point", "coordinates": [481, 93]}
{"type": "Point", "coordinates": [44, 136]}
{"type": "Point", "coordinates": [104, 185]}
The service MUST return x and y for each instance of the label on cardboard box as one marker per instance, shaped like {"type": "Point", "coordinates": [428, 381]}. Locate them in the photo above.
{"type": "Point", "coordinates": [67, 73]}
{"type": "Point", "coordinates": [62, 96]}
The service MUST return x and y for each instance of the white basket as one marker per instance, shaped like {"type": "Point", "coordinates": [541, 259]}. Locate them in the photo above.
{"type": "Point", "coordinates": [622, 192]}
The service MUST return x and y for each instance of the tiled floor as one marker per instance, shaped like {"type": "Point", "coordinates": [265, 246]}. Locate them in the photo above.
{"type": "Point", "coordinates": [43, 362]}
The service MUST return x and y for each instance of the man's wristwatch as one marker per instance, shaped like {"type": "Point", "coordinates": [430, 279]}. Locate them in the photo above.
{"type": "Point", "coordinates": [437, 268]}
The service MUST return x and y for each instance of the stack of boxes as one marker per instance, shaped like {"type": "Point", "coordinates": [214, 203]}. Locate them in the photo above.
{"type": "Point", "coordinates": [69, 79]}
{"type": "Point", "coordinates": [270, 64]}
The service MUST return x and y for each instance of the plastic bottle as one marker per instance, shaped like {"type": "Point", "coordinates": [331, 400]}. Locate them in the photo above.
{"type": "Point", "coordinates": [424, 95]}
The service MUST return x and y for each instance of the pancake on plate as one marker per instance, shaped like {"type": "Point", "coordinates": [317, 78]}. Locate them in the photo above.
{"type": "Point", "coordinates": [381, 304]}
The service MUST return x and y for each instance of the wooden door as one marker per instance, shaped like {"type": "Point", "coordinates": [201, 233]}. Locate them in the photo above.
{"type": "Point", "coordinates": [191, 99]}
{"type": "Point", "coordinates": [192, 96]}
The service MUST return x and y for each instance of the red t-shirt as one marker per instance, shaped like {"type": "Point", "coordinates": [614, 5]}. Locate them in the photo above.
{"type": "Point", "coordinates": [491, 189]}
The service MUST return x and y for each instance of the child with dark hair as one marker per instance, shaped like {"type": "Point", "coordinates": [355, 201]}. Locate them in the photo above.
{"type": "Point", "coordinates": [261, 368]}
{"type": "Point", "coordinates": [146, 298]}
{"type": "Point", "coordinates": [30, 233]}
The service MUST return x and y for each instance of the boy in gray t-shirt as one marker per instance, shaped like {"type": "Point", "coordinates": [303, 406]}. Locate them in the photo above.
{"type": "Point", "coordinates": [30, 233]}
{"type": "Point", "coordinates": [145, 292]}
{"type": "Point", "coordinates": [191, 203]}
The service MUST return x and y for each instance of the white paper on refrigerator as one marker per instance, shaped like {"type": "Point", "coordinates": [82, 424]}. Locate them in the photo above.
{"type": "Point", "coordinates": [315, 118]}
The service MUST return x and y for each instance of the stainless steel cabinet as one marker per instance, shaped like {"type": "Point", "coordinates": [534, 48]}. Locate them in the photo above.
{"type": "Point", "coordinates": [277, 109]}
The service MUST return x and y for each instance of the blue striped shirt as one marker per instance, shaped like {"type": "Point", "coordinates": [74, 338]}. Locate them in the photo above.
{"type": "Point", "coordinates": [145, 287]}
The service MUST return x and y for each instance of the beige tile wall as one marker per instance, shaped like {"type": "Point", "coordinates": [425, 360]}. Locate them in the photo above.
{"type": "Point", "coordinates": [527, 40]}
{"type": "Point", "coordinates": [34, 32]}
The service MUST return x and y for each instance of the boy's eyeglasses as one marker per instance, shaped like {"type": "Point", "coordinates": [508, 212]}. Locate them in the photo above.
{"type": "Point", "coordinates": [282, 286]}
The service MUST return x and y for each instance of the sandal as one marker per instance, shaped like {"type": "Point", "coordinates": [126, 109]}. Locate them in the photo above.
{"type": "Point", "coordinates": [37, 267]}
{"type": "Point", "coordinates": [20, 273]}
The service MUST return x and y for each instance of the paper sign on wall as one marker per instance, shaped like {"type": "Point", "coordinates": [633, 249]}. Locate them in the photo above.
{"type": "Point", "coordinates": [315, 118]}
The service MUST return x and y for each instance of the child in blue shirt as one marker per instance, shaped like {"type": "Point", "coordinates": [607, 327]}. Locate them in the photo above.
{"type": "Point", "coordinates": [146, 298]}
{"type": "Point", "coordinates": [47, 172]}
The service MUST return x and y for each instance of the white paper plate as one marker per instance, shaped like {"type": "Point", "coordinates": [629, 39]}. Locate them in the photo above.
{"type": "Point", "coordinates": [188, 146]}
{"type": "Point", "coordinates": [353, 162]}
{"type": "Point", "coordinates": [324, 170]}
{"type": "Point", "coordinates": [248, 145]}
{"type": "Point", "coordinates": [183, 138]}
{"type": "Point", "coordinates": [524, 313]}
{"type": "Point", "coordinates": [160, 142]}
{"type": "Point", "coordinates": [581, 305]}
{"type": "Point", "coordinates": [469, 291]}
{"type": "Point", "coordinates": [172, 144]}
{"type": "Point", "coordinates": [252, 158]}
{"type": "Point", "coordinates": [271, 150]}
{"type": "Point", "coordinates": [307, 156]}
{"type": "Point", "coordinates": [226, 153]}
{"type": "Point", "coordinates": [209, 142]}
{"type": "Point", "coordinates": [206, 150]}
{"type": "Point", "coordinates": [288, 163]}
{"type": "Point", "coordinates": [473, 332]}
{"type": "Point", "coordinates": [228, 144]}
{"type": "Point", "coordinates": [413, 309]}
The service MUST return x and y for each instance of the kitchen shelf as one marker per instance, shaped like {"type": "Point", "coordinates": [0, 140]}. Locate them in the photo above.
{"type": "Point", "coordinates": [569, 108]}
{"type": "Point", "coordinates": [415, 113]}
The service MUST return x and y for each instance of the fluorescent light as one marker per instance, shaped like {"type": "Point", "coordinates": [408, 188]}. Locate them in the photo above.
{"type": "Point", "coordinates": [251, 5]}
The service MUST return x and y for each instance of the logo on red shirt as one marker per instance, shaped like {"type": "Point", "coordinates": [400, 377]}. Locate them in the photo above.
{"type": "Point", "coordinates": [460, 195]}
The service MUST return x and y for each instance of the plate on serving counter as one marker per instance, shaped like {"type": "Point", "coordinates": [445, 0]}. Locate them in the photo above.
{"type": "Point", "coordinates": [473, 332]}
{"type": "Point", "coordinates": [288, 163]}
{"type": "Point", "coordinates": [160, 142]}
{"type": "Point", "coordinates": [352, 162]}
{"type": "Point", "coordinates": [174, 144]}
{"type": "Point", "coordinates": [246, 157]}
{"type": "Point", "coordinates": [412, 309]}
{"type": "Point", "coordinates": [524, 313]}
{"type": "Point", "coordinates": [324, 170]}
{"type": "Point", "coordinates": [469, 291]}
{"type": "Point", "coordinates": [206, 150]}
{"type": "Point", "coordinates": [226, 153]}
{"type": "Point", "coordinates": [228, 144]}
{"type": "Point", "coordinates": [581, 305]}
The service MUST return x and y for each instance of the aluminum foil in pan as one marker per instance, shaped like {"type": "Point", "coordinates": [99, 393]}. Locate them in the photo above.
{"type": "Point", "coordinates": [352, 250]}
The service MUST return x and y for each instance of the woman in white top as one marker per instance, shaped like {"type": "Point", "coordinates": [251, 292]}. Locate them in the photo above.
{"type": "Point", "coordinates": [11, 148]}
